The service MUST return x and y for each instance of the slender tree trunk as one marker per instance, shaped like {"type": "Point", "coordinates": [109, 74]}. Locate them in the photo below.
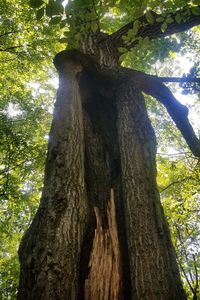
{"type": "Point", "coordinates": [100, 232]}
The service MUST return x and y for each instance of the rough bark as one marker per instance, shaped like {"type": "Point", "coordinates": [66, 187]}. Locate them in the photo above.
{"type": "Point", "coordinates": [100, 232]}
{"type": "Point", "coordinates": [50, 250]}
{"type": "Point", "coordinates": [153, 268]}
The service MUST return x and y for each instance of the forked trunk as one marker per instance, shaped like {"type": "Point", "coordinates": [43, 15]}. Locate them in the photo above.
{"type": "Point", "coordinates": [100, 232]}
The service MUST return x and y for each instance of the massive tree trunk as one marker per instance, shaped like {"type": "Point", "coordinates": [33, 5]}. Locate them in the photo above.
{"type": "Point", "coordinates": [100, 231]}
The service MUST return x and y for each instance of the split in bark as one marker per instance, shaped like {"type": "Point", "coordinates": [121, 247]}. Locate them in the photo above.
{"type": "Point", "coordinates": [100, 215]}
{"type": "Point", "coordinates": [104, 278]}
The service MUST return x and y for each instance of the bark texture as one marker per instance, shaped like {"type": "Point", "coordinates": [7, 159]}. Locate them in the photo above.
{"type": "Point", "coordinates": [50, 250]}
{"type": "Point", "coordinates": [153, 268]}
{"type": "Point", "coordinates": [100, 232]}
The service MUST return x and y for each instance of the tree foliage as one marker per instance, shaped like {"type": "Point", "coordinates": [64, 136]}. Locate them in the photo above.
{"type": "Point", "coordinates": [32, 32]}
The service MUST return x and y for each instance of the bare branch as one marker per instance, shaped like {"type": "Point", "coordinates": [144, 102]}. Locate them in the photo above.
{"type": "Point", "coordinates": [153, 86]}
{"type": "Point", "coordinates": [177, 111]}
{"type": "Point", "coordinates": [185, 275]}
{"type": "Point", "coordinates": [8, 32]}
{"type": "Point", "coordinates": [154, 30]}
{"type": "Point", "coordinates": [196, 273]}
{"type": "Point", "coordinates": [9, 49]}
{"type": "Point", "coordinates": [179, 79]}
{"type": "Point", "coordinates": [175, 182]}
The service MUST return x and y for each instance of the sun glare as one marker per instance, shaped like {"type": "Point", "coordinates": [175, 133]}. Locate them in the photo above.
{"type": "Point", "coordinates": [64, 3]}
{"type": "Point", "coordinates": [13, 110]}
{"type": "Point", "coordinates": [185, 64]}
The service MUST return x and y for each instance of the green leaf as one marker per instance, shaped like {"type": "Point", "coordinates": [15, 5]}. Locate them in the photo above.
{"type": "Point", "coordinates": [125, 38]}
{"type": "Point", "coordinates": [169, 20]}
{"type": "Point", "coordinates": [94, 27]}
{"type": "Point", "coordinates": [186, 15]}
{"type": "Point", "coordinates": [136, 26]}
{"type": "Point", "coordinates": [144, 42]}
{"type": "Point", "coordinates": [160, 19]}
{"type": "Point", "coordinates": [178, 18]}
{"type": "Point", "coordinates": [195, 11]}
{"type": "Point", "coordinates": [54, 8]}
{"type": "Point", "coordinates": [196, 2]}
{"type": "Point", "coordinates": [150, 17]}
{"type": "Point", "coordinates": [36, 3]}
{"type": "Point", "coordinates": [40, 13]}
{"type": "Point", "coordinates": [163, 27]}
{"type": "Point", "coordinates": [122, 57]}
{"type": "Point", "coordinates": [122, 50]}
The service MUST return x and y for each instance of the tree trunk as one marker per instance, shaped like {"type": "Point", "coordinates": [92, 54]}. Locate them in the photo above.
{"type": "Point", "coordinates": [153, 268]}
{"type": "Point", "coordinates": [100, 232]}
{"type": "Point", "coordinates": [50, 250]}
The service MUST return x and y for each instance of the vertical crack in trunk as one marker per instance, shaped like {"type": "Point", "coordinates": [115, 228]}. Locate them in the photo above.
{"type": "Point", "coordinates": [89, 240]}
{"type": "Point", "coordinates": [105, 275]}
{"type": "Point", "coordinates": [104, 279]}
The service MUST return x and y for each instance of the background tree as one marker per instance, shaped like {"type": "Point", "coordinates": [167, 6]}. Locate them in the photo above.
{"type": "Point", "coordinates": [102, 152]}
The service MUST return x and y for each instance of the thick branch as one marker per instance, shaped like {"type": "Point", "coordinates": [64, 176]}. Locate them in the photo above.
{"type": "Point", "coordinates": [179, 79]}
{"type": "Point", "coordinates": [151, 85]}
{"type": "Point", "coordinates": [154, 30]}
{"type": "Point", "coordinates": [177, 111]}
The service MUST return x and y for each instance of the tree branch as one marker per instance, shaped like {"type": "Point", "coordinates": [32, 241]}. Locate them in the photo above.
{"type": "Point", "coordinates": [8, 32]}
{"type": "Point", "coordinates": [179, 79]}
{"type": "Point", "coordinates": [178, 112]}
{"type": "Point", "coordinates": [154, 30]}
{"type": "Point", "coordinates": [185, 275]}
{"type": "Point", "coordinates": [151, 85]}
{"type": "Point", "coordinates": [9, 49]}
{"type": "Point", "coordinates": [196, 273]}
{"type": "Point", "coordinates": [175, 182]}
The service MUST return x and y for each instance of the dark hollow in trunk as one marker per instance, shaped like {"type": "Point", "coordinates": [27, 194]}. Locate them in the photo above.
{"type": "Point", "coordinates": [100, 231]}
